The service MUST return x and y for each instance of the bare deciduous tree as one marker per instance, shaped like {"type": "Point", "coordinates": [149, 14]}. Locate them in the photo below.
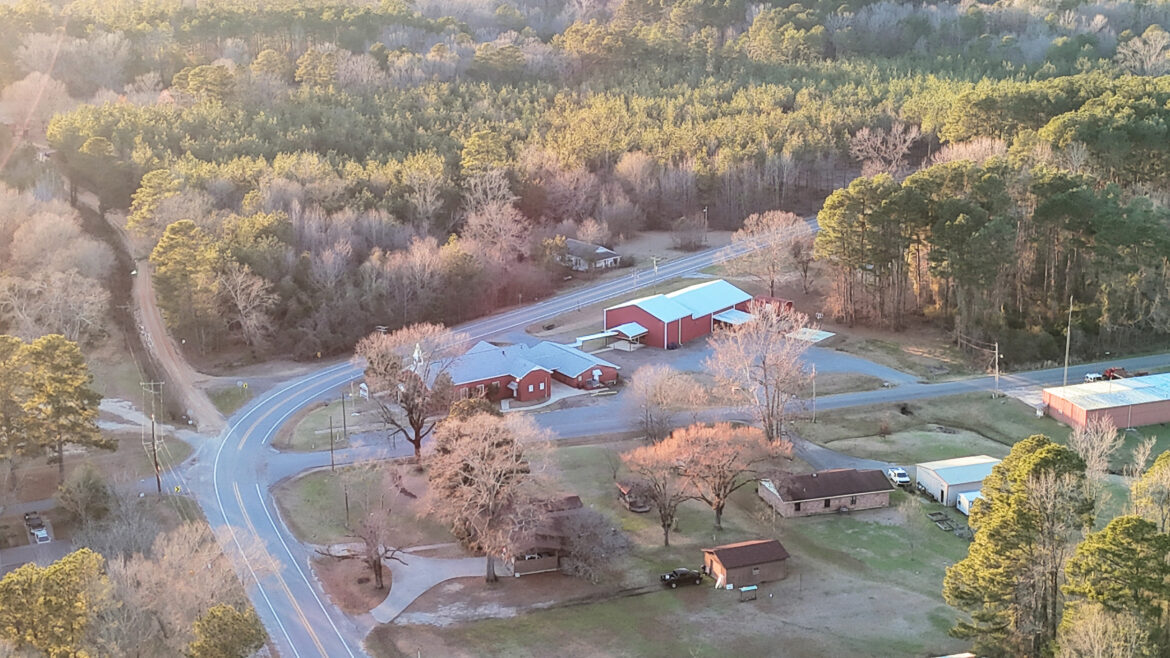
{"type": "Point", "coordinates": [482, 481]}
{"type": "Point", "coordinates": [659, 393]}
{"type": "Point", "coordinates": [1147, 54]}
{"type": "Point", "coordinates": [499, 230]}
{"type": "Point", "coordinates": [666, 488]}
{"type": "Point", "coordinates": [720, 459]}
{"type": "Point", "coordinates": [977, 150]}
{"type": "Point", "coordinates": [407, 370]}
{"type": "Point", "coordinates": [593, 232]}
{"type": "Point", "coordinates": [1096, 444]}
{"type": "Point", "coordinates": [881, 150]}
{"type": "Point", "coordinates": [759, 362]}
{"type": "Point", "coordinates": [768, 239]}
{"type": "Point", "coordinates": [591, 543]}
{"type": "Point", "coordinates": [1092, 631]}
{"type": "Point", "coordinates": [689, 232]}
{"type": "Point", "coordinates": [373, 533]}
{"type": "Point", "coordinates": [249, 299]}
{"type": "Point", "coordinates": [486, 189]}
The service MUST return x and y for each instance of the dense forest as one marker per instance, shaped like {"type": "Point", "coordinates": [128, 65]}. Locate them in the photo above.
{"type": "Point", "coordinates": [324, 166]}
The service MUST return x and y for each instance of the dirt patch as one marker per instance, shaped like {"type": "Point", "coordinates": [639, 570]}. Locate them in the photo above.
{"type": "Point", "coordinates": [350, 585]}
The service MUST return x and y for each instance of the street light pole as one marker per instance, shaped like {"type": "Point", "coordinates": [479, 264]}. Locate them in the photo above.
{"type": "Point", "coordinates": [332, 466]}
{"type": "Point", "coordinates": [1067, 340]}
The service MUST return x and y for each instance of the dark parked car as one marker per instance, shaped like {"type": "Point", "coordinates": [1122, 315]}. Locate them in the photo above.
{"type": "Point", "coordinates": [33, 521]}
{"type": "Point", "coordinates": [681, 575]}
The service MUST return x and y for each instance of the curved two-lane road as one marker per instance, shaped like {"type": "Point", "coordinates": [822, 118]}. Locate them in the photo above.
{"type": "Point", "coordinates": [299, 618]}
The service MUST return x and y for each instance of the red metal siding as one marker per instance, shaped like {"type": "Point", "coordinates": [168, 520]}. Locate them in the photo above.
{"type": "Point", "coordinates": [1137, 415]}
{"type": "Point", "coordinates": [656, 332]}
{"type": "Point", "coordinates": [692, 329]}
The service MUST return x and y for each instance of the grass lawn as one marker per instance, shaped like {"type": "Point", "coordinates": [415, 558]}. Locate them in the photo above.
{"type": "Point", "coordinates": [881, 570]}
{"type": "Point", "coordinates": [920, 445]}
{"type": "Point", "coordinates": [313, 505]}
{"type": "Point", "coordinates": [1160, 434]}
{"type": "Point", "coordinates": [310, 431]}
{"type": "Point", "coordinates": [833, 383]}
{"type": "Point", "coordinates": [230, 398]}
{"type": "Point", "coordinates": [1005, 420]}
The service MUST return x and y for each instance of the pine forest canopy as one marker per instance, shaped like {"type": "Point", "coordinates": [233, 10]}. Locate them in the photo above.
{"type": "Point", "coordinates": [323, 167]}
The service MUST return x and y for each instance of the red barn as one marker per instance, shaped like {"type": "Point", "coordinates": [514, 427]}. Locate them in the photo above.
{"type": "Point", "coordinates": [683, 315]}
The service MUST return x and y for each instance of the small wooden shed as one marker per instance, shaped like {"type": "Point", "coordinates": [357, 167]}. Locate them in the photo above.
{"type": "Point", "coordinates": [746, 563]}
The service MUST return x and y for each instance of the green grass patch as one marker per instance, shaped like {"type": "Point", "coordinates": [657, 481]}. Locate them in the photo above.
{"type": "Point", "coordinates": [924, 444]}
{"type": "Point", "coordinates": [230, 398]}
{"type": "Point", "coordinates": [171, 452]}
{"type": "Point", "coordinates": [1124, 455]}
{"type": "Point", "coordinates": [834, 383]}
{"type": "Point", "coordinates": [1005, 420]}
{"type": "Point", "coordinates": [310, 431]}
{"type": "Point", "coordinates": [314, 506]}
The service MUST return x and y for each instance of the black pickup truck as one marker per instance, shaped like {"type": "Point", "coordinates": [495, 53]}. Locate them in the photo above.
{"type": "Point", "coordinates": [681, 575]}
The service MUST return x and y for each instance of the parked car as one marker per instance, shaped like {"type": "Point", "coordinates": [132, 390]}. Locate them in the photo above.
{"type": "Point", "coordinates": [681, 575]}
{"type": "Point", "coordinates": [1093, 377]}
{"type": "Point", "coordinates": [32, 520]}
{"type": "Point", "coordinates": [898, 476]}
{"type": "Point", "coordinates": [41, 535]}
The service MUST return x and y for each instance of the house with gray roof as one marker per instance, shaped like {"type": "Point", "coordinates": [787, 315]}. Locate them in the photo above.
{"type": "Point", "coordinates": [526, 372]}
{"type": "Point", "coordinates": [584, 256]}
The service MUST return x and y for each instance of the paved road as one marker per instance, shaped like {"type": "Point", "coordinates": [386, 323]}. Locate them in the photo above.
{"type": "Point", "coordinates": [300, 620]}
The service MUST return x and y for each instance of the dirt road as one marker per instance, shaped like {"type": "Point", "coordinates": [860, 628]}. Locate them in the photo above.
{"type": "Point", "coordinates": [180, 378]}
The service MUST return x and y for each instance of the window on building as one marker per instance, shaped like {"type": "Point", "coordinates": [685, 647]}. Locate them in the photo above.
{"type": "Point", "coordinates": [479, 390]}
{"type": "Point", "coordinates": [826, 503]}
{"type": "Point", "coordinates": [542, 386]}
{"type": "Point", "coordinates": [853, 500]}
{"type": "Point", "coordinates": [796, 507]}
{"type": "Point", "coordinates": [530, 388]}
{"type": "Point", "coordinates": [463, 392]}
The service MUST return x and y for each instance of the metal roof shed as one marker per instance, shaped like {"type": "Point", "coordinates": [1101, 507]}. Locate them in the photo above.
{"type": "Point", "coordinates": [947, 478]}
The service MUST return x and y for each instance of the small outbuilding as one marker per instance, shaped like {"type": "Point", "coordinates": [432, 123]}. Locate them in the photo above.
{"type": "Point", "coordinates": [835, 490]}
{"type": "Point", "coordinates": [944, 480]}
{"type": "Point", "coordinates": [746, 563]}
{"type": "Point", "coordinates": [965, 500]}
{"type": "Point", "coordinates": [1129, 402]}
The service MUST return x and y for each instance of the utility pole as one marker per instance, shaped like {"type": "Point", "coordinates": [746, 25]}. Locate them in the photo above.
{"type": "Point", "coordinates": [154, 388]}
{"type": "Point", "coordinates": [1067, 340]}
{"type": "Point", "coordinates": [154, 450]}
{"type": "Point", "coordinates": [997, 369]}
{"type": "Point", "coordinates": [814, 377]}
{"type": "Point", "coordinates": [344, 429]}
{"type": "Point", "coordinates": [332, 466]}
{"type": "Point", "coordinates": [654, 260]}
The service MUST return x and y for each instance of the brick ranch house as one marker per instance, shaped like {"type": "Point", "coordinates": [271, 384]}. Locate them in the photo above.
{"type": "Point", "coordinates": [824, 492]}
{"type": "Point", "coordinates": [526, 373]}
{"type": "Point", "coordinates": [683, 315]}
{"type": "Point", "coordinates": [746, 563]}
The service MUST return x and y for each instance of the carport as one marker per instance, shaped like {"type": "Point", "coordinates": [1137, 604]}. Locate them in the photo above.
{"type": "Point", "coordinates": [733, 317]}
{"type": "Point", "coordinates": [631, 334]}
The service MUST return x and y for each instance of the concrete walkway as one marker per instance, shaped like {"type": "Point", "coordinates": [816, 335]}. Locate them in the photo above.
{"type": "Point", "coordinates": [418, 575]}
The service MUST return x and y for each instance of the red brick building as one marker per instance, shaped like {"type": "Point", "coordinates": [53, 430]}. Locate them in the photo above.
{"type": "Point", "coordinates": [828, 491]}
{"type": "Point", "coordinates": [525, 373]}
{"type": "Point", "coordinates": [683, 315]}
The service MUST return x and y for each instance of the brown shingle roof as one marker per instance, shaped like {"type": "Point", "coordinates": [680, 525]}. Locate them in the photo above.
{"type": "Point", "coordinates": [748, 553]}
{"type": "Point", "coordinates": [831, 484]}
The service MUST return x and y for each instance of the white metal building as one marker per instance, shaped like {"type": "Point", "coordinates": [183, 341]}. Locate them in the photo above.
{"type": "Point", "coordinates": [964, 501]}
{"type": "Point", "coordinates": [947, 478]}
